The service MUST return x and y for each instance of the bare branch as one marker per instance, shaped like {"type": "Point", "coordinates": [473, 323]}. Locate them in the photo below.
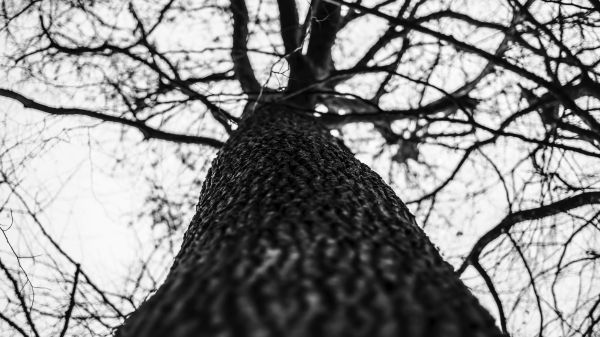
{"type": "Point", "coordinates": [324, 27]}
{"type": "Point", "coordinates": [554, 89]}
{"type": "Point", "coordinates": [146, 130]}
{"type": "Point", "coordinates": [13, 324]}
{"type": "Point", "coordinates": [495, 296]}
{"type": "Point", "coordinates": [241, 63]}
{"type": "Point", "coordinates": [62, 252]}
{"type": "Point", "coordinates": [71, 301]}
{"type": "Point", "coordinates": [586, 198]}
{"type": "Point", "coordinates": [375, 114]}
{"type": "Point", "coordinates": [21, 298]}
{"type": "Point", "coordinates": [290, 25]}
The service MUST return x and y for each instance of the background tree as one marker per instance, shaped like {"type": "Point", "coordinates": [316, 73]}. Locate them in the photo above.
{"type": "Point", "coordinates": [483, 117]}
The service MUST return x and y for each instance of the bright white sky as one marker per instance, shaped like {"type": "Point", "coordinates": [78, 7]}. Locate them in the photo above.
{"type": "Point", "coordinates": [85, 208]}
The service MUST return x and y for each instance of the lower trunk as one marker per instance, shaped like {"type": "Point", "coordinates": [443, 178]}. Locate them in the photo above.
{"type": "Point", "coordinates": [293, 236]}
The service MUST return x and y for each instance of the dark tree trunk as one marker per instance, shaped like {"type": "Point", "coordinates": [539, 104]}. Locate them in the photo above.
{"type": "Point", "coordinates": [293, 236]}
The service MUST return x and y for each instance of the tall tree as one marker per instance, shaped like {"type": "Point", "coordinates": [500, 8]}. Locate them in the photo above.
{"type": "Point", "coordinates": [484, 111]}
{"type": "Point", "coordinates": [295, 237]}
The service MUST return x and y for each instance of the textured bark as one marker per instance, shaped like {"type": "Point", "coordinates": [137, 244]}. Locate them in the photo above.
{"type": "Point", "coordinates": [295, 237]}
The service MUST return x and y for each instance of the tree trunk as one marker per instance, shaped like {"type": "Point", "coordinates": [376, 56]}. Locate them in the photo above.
{"type": "Point", "coordinates": [293, 236]}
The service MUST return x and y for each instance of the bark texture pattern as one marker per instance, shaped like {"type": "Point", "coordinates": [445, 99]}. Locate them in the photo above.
{"type": "Point", "coordinates": [293, 236]}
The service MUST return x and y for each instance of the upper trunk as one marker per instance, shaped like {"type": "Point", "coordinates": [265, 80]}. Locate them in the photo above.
{"type": "Point", "coordinates": [293, 236]}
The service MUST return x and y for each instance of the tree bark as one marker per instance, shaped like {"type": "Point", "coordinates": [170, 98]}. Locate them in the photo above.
{"type": "Point", "coordinates": [293, 236]}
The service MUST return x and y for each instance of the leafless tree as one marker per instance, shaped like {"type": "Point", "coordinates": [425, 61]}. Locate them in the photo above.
{"type": "Point", "coordinates": [484, 117]}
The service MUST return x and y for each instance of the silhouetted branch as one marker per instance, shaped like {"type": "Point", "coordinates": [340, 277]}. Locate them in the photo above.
{"type": "Point", "coordinates": [290, 25]}
{"type": "Point", "coordinates": [292, 34]}
{"type": "Point", "coordinates": [146, 130]}
{"type": "Point", "coordinates": [62, 252]}
{"type": "Point", "coordinates": [71, 301]}
{"type": "Point", "coordinates": [495, 296]}
{"type": "Point", "coordinates": [553, 88]}
{"type": "Point", "coordinates": [531, 282]}
{"type": "Point", "coordinates": [324, 27]}
{"type": "Point", "coordinates": [241, 62]}
{"type": "Point", "coordinates": [20, 297]}
{"type": "Point", "coordinates": [13, 324]}
{"type": "Point", "coordinates": [171, 76]}
{"type": "Point", "coordinates": [441, 105]}
{"type": "Point", "coordinates": [585, 198]}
